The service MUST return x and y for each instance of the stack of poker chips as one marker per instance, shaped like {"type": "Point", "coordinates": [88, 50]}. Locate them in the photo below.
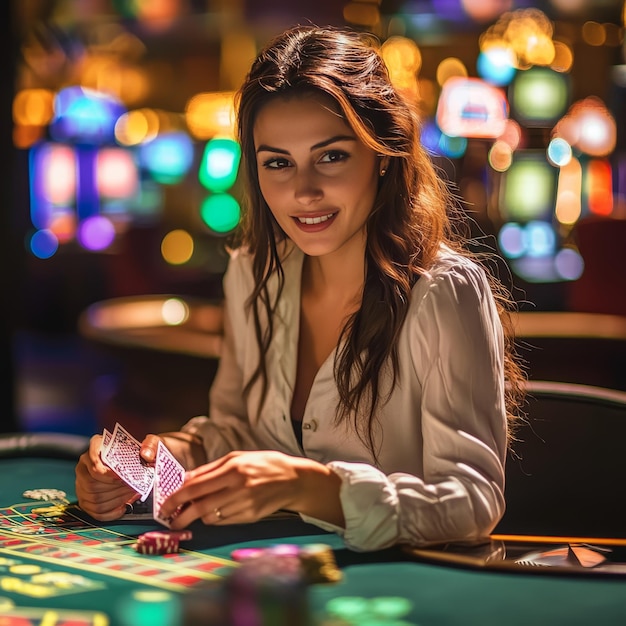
{"type": "Point", "coordinates": [318, 563]}
{"type": "Point", "coordinates": [267, 587]}
{"type": "Point", "coordinates": [317, 560]}
{"type": "Point", "coordinates": [268, 590]}
{"type": "Point", "coordinates": [161, 541]}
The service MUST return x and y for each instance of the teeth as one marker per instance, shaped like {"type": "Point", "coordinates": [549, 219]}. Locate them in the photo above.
{"type": "Point", "coordinates": [315, 220]}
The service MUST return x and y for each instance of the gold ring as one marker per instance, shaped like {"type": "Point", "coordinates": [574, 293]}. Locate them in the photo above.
{"type": "Point", "coordinates": [218, 513]}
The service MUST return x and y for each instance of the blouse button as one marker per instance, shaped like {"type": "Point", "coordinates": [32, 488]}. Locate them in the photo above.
{"type": "Point", "coordinates": [310, 425]}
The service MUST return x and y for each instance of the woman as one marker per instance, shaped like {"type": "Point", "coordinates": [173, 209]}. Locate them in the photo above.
{"type": "Point", "coordinates": [366, 380]}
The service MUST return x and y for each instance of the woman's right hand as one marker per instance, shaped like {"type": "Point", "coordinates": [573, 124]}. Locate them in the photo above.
{"type": "Point", "coordinates": [101, 492]}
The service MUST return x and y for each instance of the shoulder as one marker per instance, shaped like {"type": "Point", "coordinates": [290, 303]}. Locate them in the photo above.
{"type": "Point", "coordinates": [453, 271]}
{"type": "Point", "coordinates": [453, 303]}
{"type": "Point", "coordinates": [239, 275]}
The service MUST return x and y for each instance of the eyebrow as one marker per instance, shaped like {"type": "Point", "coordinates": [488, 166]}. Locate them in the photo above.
{"type": "Point", "coordinates": [322, 144]}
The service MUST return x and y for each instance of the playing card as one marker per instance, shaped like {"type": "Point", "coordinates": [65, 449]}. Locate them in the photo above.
{"type": "Point", "coordinates": [122, 456]}
{"type": "Point", "coordinates": [106, 440]}
{"type": "Point", "coordinates": [169, 475]}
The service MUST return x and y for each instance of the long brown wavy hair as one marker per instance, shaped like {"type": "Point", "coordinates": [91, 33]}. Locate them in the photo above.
{"type": "Point", "coordinates": [409, 222]}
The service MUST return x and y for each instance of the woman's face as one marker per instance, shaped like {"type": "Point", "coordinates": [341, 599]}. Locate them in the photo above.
{"type": "Point", "coordinates": [317, 177]}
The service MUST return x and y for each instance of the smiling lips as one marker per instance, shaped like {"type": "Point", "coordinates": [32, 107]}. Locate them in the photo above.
{"type": "Point", "coordinates": [313, 221]}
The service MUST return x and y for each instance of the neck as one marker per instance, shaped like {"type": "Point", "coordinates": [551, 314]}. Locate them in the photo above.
{"type": "Point", "coordinates": [341, 279]}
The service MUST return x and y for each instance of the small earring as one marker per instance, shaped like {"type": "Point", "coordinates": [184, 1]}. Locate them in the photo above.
{"type": "Point", "coordinates": [383, 171]}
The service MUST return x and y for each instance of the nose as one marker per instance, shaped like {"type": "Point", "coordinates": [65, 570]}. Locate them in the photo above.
{"type": "Point", "coordinates": [307, 187]}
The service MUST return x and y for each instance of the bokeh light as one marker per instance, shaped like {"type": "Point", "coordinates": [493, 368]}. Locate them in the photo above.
{"type": "Point", "coordinates": [117, 175]}
{"type": "Point", "coordinates": [221, 213]}
{"type": "Point", "coordinates": [175, 312]}
{"type": "Point", "coordinates": [220, 164]}
{"type": "Point", "coordinates": [568, 207]}
{"type": "Point", "coordinates": [540, 239]}
{"type": "Point", "coordinates": [85, 116]}
{"type": "Point", "coordinates": [138, 126]}
{"type": "Point", "coordinates": [529, 171]}
{"type": "Point", "coordinates": [168, 157]}
{"type": "Point", "coordinates": [598, 187]}
{"type": "Point", "coordinates": [440, 144]}
{"type": "Point", "coordinates": [500, 156]}
{"type": "Point", "coordinates": [496, 65]}
{"type": "Point", "coordinates": [559, 152]}
{"type": "Point", "coordinates": [210, 114]}
{"type": "Point", "coordinates": [177, 247]}
{"type": "Point", "coordinates": [43, 244]}
{"type": "Point", "coordinates": [511, 240]}
{"type": "Point", "coordinates": [486, 10]}
{"type": "Point", "coordinates": [33, 107]}
{"type": "Point", "coordinates": [539, 96]}
{"type": "Point", "coordinates": [470, 107]}
{"type": "Point", "coordinates": [589, 127]}
{"type": "Point", "coordinates": [563, 57]}
{"type": "Point", "coordinates": [96, 233]}
{"type": "Point", "coordinates": [404, 60]}
{"type": "Point", "coordinates": [569, 264]}
{"type": "Point", "coordinates": [449, 68]}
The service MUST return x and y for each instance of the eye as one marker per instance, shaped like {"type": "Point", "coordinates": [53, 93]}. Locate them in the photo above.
{"type": "Point", "coordinates": [276, 163]}
{"type": "Point", "coordinates": [334, 156]}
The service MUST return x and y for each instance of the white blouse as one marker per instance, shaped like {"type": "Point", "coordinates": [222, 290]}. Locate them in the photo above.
{"type": "Point", "coordinates": [441, 436]}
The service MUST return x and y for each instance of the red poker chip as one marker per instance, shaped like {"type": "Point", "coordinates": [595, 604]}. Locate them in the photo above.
{"type": "Point", "coordinates": [161, 542]}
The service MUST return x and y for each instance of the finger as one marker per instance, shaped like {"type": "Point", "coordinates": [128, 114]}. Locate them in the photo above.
{"type": "Point", "coordinates": [193, 511]}
{"type": "Point", "coordinates": [104, 506]}
{"type": "Point", "coordinates": [232, 512]}
{"type": "Point", "coordinates": [218, 509]}
{"type": "Point", "coordinates": [149, 448]}
{"type": "Point", "coordinates": [86, 472]}
{"type": "Point", "coordinates": [95, 446]}
{"type": "Point", "coordinates": [199, 488]}
{"type": "Point", "coordinates": [209, 468]}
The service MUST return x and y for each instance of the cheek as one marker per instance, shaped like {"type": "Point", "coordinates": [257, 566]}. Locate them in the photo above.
{"type": "Point", "coordinates": [272, 196]}
{"type": "Point", "coordinates": [267, 191]}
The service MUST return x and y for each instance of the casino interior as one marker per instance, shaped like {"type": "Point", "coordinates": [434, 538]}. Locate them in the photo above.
{"type": "Point", "coordinates": [121, 191]}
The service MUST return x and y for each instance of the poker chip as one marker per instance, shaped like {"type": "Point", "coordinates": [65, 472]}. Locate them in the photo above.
{"type": "Point", "coordinates": [161, 541]}
{"type": "Point", "coordinates": [243, 554]}
{"type": "Point", "coordinates": [318, 563]}
{"type": "Point", "coordinates": [45, 494]}
{"type": "Point", "coordinates": [316, 560]}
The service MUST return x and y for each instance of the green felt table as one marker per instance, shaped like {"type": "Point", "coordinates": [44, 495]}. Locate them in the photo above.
{"type": "Point", "coordinates": [63, 570]}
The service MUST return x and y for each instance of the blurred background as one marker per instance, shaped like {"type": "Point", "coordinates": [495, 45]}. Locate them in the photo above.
{"type": "Point", "coordinates": [121, 182]}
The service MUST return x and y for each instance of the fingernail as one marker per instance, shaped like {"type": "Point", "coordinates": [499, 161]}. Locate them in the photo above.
{"type": "Point", "coordinates": [148, 454]}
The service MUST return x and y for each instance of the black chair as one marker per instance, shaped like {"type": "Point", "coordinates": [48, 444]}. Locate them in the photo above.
{"type": "Point", "coordinates": [46, 445]}
{"type": "Point", "coordinates": [566, 472]}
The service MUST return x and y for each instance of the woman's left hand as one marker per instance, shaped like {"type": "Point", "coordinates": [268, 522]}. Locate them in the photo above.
{"type": "Point", "coordinates": [238, 488]}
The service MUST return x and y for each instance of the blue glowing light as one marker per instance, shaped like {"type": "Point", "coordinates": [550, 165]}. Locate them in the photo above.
{"type": "Point", "coordinates": [559, 152]}
{"type": "Point", "coordinates": [168, 157]}
{"type": "Point", "coordinates": [85, 116]}
{"type": "Point", "coordinates": [440, 144]}
{"type": "Point", "coordinates": [43, 244]}
{"type": "Point", "coordinates": [540, 239]}
{"type": "Point", "coordinates": [496, 66]}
